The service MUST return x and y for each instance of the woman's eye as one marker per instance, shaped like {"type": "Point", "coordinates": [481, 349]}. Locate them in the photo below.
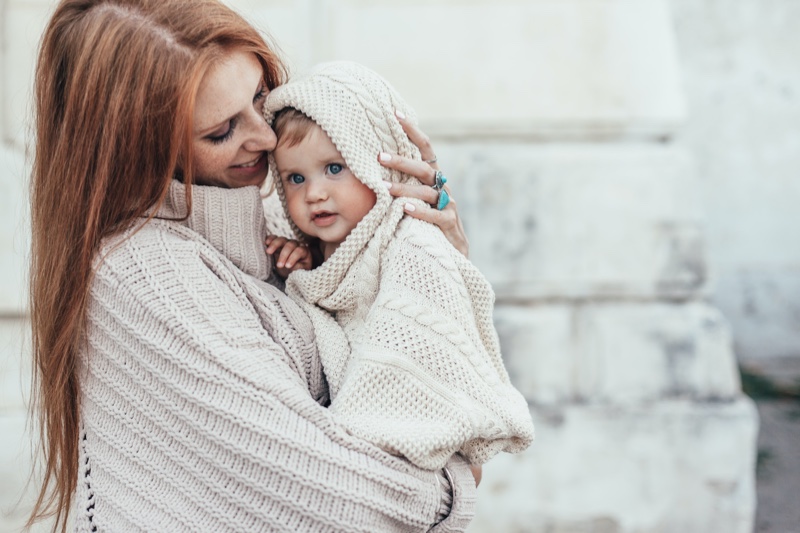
{"type": "Point", "coordinates": [297, 179]}
{"type": "Point", "coordinates": [262, 92]}
{"type": "Point", "coordinates": [335, 168]}
{"type": "Point", "coordinates": [216, 139]}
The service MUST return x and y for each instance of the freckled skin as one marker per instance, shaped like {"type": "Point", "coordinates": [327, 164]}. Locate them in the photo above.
{"type": "Point", "coordinates": [232, 94]}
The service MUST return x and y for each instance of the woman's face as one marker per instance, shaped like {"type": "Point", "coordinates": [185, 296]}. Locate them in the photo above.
{"type": "Point", "coordinates": [231, 137]}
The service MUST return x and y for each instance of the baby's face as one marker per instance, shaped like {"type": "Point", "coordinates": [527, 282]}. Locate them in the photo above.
{"type": "Point", "coordinates": [324, 198]}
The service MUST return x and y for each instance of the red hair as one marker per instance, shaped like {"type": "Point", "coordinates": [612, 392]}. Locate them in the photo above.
{"type": "Point", "coordinates": [115, 88]}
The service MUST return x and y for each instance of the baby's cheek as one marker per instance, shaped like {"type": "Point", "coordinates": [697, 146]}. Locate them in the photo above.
{"type": "Point", "coordinates": [294, 208]}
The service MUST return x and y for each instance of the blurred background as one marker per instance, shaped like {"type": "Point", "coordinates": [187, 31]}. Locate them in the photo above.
{"type": "Point", "coordinates": [627, 171]}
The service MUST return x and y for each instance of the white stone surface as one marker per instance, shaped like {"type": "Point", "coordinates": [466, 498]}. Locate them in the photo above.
{"type": "Point", "coordinates": [14, 232]}
{"type": "Point", "coordinates": [16, 435]}
{"type": "Point", "coordinates": [673, 467]}
{"type": "Point", "coordinates": [288, 24]}
{"type": "Point", "coordinates": [579, 220]}
{"type": "Point", "coordinates": [739, 60]}
{"type": "Point", "coordinates": [553, 68]}
{"type": "Point", "coordinates": [22, 25]}
{"type": "Point", "coordinates": [763, 306]}
{"type": "Point", "coordinates": [16, 496]}
{"type": "Point", "coordinates": [617, 353]}
{"type": "Point", "coordinates": [15, 365]}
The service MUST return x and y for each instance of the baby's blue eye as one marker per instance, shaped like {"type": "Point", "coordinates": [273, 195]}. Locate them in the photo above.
{"type": "Point", "coordinates": [297, 179]}
{"type": "Point", "coordinates": [335, 168]}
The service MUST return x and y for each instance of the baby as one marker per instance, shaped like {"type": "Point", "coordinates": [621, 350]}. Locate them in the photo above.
{"type": "Point", "coordinates": [403, 320]}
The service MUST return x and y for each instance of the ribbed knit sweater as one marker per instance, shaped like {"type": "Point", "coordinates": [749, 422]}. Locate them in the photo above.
{"type": "Point", "coordinates": [201, 392]}
{"type": "Point", "coordinates": [403, 320]}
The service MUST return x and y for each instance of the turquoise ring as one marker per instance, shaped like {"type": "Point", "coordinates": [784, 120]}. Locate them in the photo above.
{"type": "Point", "coordinates": [438, 181]}
{"type": "Point", "coordinates": [443, 200]}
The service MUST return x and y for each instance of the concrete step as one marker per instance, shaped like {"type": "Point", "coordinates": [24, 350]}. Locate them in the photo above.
{"type": "Point", "coordinates": [673, 467]}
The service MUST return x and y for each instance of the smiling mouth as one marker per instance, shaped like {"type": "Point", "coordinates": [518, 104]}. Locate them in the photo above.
{"type": "Point", "coordinates": [322, 215]}
{"type": "Point", "coordinates": [251, 164]}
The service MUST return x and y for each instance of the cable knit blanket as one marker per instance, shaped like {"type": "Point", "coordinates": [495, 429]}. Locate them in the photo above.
{"type": "Point", "coordinates": [403, 321]}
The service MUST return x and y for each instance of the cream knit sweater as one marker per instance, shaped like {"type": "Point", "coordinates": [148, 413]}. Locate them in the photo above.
{"type": "Point", "coordinates": [198, 388]}
{"type": "Point", "coordinates": [403, 320]}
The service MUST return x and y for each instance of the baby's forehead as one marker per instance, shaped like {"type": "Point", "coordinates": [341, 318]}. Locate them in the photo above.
{"type": "Point", "coordinates": [315, 146]}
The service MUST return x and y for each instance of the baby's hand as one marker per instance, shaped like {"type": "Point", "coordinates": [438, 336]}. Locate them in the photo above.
{"type": "Point", "coordinates": [289, 255]}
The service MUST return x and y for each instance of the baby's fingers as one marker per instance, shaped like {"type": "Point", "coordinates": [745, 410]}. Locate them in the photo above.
{"type": "Point", "coordinates": [286, 252]}
{"type": "Point", "coordinates": [274, 243]}
{"type": "Point", "coordinates": [300, 257]}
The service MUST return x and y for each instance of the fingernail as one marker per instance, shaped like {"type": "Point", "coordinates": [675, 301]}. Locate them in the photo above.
{"type": "Point", "coordinates": [399, 114]}
{"type": "Point", "coordinates": [410, 207]}
{"type": "Point", "coordinates": [280, 265]}
{"type": "Point", "coordinates": [385, 157]}
{"type": "Point", "coordinates": [387, 184]}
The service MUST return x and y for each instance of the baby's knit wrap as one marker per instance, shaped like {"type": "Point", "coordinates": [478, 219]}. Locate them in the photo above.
{"type": "Point", "coordinates": [403, 321]}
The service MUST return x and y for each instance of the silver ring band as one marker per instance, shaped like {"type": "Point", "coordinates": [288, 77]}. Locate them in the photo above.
{"type": "Point", "coordinates": [431, 161]}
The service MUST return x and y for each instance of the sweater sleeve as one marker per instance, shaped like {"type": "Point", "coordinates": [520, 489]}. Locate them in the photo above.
{"type": "Point", "coordinates": [195, 417]}
{"type": "Point", "coordinates": [425, 378]}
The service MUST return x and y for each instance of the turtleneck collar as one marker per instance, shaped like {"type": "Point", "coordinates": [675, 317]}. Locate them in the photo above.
{"type": "Point", "coordinates": [231, 220]}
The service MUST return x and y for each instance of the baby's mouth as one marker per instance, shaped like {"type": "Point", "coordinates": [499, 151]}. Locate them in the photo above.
{"type": "Point", "coordinates": [322, 217]}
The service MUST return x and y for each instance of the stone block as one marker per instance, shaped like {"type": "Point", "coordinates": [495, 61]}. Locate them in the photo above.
{"type": "Point", "coordinates": [554, 69]}
{"type": "Point", "coordinates": [617, 354]}
{"type": "Point", "coordinates": [673, 467]}
{"type": "Point", "coordinates": [21, 28]}
{"type": "Point", "coordinates": [763, 306]}
{"type": "Point", "coordinates": [739, 63]}
{"type": "Point", "coordinates": [288, 24]}
{"type": "Point", "coordinates": [14, 232]}
{"type": "Point", "coordinates": [16, 495]}
{"type": "Point", "coordinates": [579, 221]}
{"type": "Point", "coordinates": [15, 364]}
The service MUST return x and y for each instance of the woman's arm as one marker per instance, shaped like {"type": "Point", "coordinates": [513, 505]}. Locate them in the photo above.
{"type": "Point", "coordinates": [195, 417]}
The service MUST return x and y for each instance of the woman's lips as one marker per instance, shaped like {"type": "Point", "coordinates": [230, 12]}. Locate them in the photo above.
{"type": "Point", "coordinates": [324, 219]}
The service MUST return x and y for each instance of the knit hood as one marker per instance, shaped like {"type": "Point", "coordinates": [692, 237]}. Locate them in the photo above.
{"type": "Point", "coordinates": [356, 108]}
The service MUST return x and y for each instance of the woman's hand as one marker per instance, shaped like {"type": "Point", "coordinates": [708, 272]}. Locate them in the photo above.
{"type": "Point", "coordinates": [447, 219]}
{"type": "Point", "coordinates": [290, 255]}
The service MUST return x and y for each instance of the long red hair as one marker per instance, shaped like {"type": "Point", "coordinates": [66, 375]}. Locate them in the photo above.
{"type": "Point", "coordinates": [115, 87]}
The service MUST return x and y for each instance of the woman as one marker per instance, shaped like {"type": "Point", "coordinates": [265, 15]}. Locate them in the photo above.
{"type": "Point", "coordinates": [178, 389]}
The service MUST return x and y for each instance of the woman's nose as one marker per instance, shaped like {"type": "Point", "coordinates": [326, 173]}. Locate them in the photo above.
{"type": "Point", "coordinates": [261, 138]}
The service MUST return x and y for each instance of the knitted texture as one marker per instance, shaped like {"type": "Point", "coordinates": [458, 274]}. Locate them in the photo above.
{"type": "Point", "coordinates": [201, 393]}
{"type": "Point", "coordinates": [403, 320]}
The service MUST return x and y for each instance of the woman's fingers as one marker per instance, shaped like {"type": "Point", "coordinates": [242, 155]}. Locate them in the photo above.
{"type": "Point", "coordinates": [425, 171]}
{"type": "Point", "coordinates": [412, 190]}
{"type": "Point", "coordinates": [419, 169]}
{"type": "Point", "coordinates": [448, 221]}
{"type": "Point", "coordinates": [416, 136]}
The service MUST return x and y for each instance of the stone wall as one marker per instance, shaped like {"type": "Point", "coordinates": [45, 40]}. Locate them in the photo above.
{"type": "Point", "coordinates": [739, 64]}
{"type": "Point", "coordinates": [556, 121]}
